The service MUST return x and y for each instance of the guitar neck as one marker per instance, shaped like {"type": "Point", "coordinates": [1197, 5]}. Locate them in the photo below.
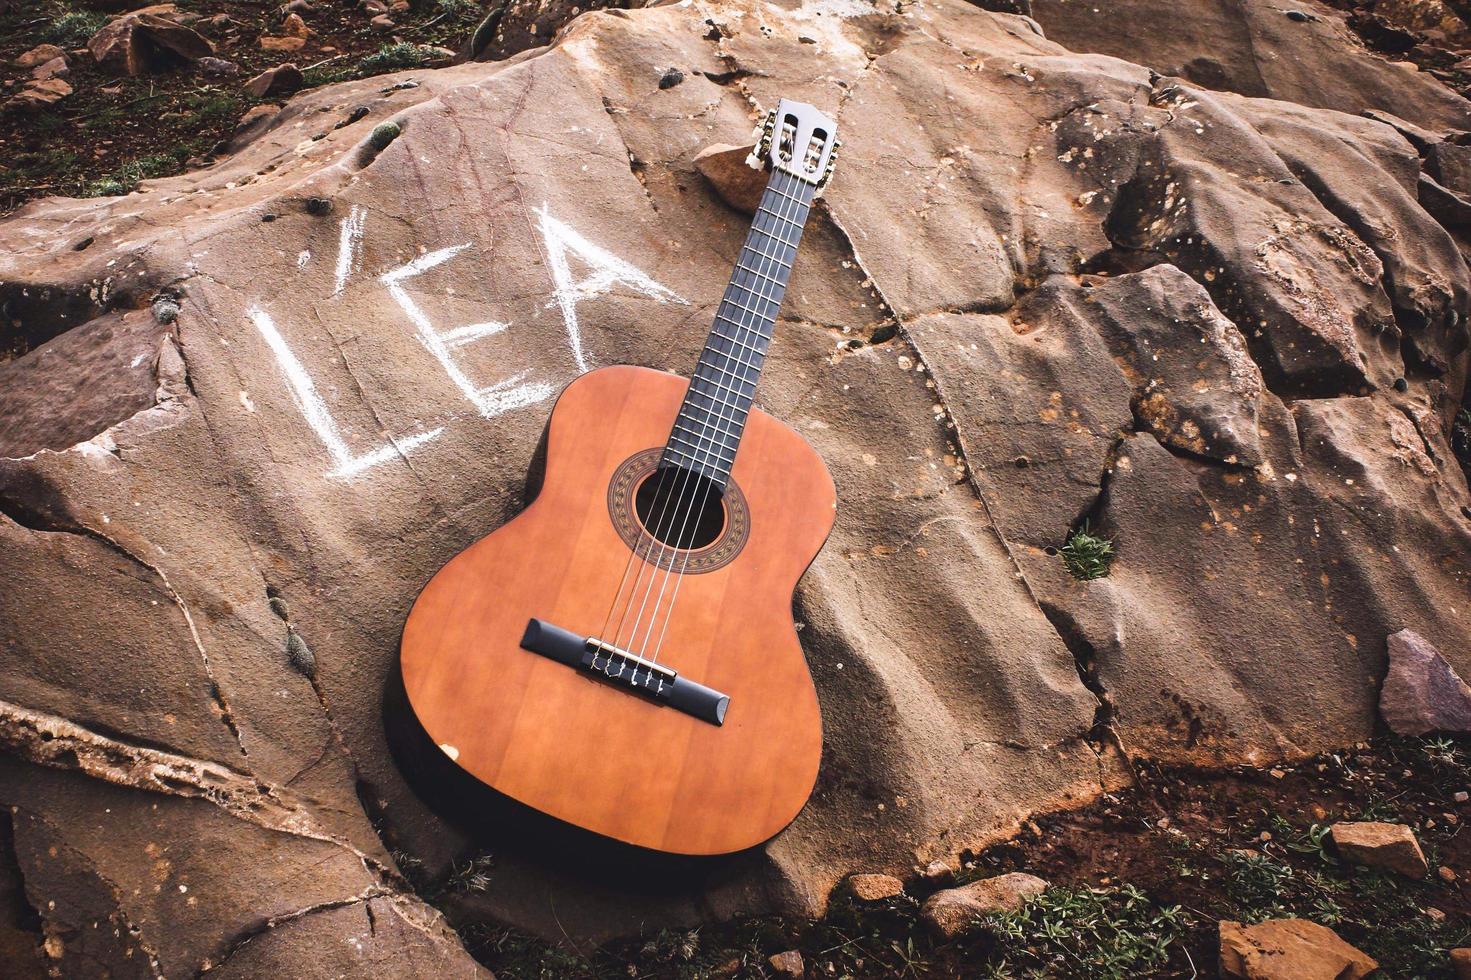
{"type": "Point", "coordinates": [708, 429]}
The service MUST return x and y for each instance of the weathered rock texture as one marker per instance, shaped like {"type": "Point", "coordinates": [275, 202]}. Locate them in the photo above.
{"type": "Point", "coordinates": [951, 911]}
{"type": "Point", "coordinates": [1043, 288]}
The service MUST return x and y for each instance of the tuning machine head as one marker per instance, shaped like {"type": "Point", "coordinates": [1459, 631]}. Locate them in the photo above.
{"type": "Point", "coordinates": [768, 127]}
{"type": "Point", "coordinates": [832, 161]}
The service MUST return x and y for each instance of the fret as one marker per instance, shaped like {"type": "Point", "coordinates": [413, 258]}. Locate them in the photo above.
{"type": "Point", "coordinates": [716, 436]}
{"type": "Point", "coordinates": [702, 464]}
{"type": "Point", "coordinates": [708, 457]}
{"type": "Point", "coordinates": [781, 283]}
{"type": "Point", "coordinates": [739, 377]}
{"type": "Point", "coordinates": [758, 351]}
{"type": "Point", "coordinates": [773, 258]}
{"type": "Point", "coordinates": [747, 309]}
{"type": "Point", "coordinates": [715, 399]}
{"type": "Point", "coordinates": [733, 365]}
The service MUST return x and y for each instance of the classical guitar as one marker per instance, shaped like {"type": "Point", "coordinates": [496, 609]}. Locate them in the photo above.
{"type": "Point", "coordinates": [622, 655]}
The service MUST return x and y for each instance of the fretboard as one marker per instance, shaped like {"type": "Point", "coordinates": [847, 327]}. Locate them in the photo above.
{"type": "Point", "coordinates": [708, 429]}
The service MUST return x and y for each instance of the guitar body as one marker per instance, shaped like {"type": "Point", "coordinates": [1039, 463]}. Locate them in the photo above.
{"type": "Point", "coordinates": [589, 752]}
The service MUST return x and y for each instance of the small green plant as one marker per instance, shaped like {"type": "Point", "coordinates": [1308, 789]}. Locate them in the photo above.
{"type": "Point", "coordinates": [395, 57]}
{"type": "Point", "coordinates": [1101, 934]}
{"type": "Point", "coordinates": [1313, 841]}
{"type": "Point", "coordinates": [1259, 887]}
{"type": "Point", "coordinates": [455, 9]}
{"type": "Point", "coordinates": [1086, 555]}
{"type": "Point", "coordinates": [128, 176]}
{"type": "Point", "coordinates": [74, 29]}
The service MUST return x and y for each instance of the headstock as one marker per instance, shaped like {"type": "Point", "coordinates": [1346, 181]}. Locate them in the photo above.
{"type": "Point", "coordinates": [800, 140]}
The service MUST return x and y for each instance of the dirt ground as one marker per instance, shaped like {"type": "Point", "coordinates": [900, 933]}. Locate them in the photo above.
{"type": "Point", "coordinates": [1139, 882]}
{"type": "Point", "coordinates": [113, 131]}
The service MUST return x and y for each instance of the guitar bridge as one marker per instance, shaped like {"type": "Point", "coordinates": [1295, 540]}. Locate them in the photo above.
{"type": "Point", "coordinates": [614, 665]}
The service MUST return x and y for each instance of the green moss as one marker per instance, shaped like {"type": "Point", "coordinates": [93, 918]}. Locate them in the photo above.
{"type": "Point", "coordinates": [383, 134]}
{"type": "Point", "coordinates": [300, 655]}
{"type": "Point", "coordinates": [1086, 555]}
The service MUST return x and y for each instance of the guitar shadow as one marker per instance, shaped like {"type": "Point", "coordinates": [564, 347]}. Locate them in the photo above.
{"type": "Point", "coordinates": [497, 823]}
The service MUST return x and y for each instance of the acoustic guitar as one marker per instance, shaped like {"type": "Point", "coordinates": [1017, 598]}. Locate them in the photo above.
{"type": "Point", "coordinates": [622, 655]}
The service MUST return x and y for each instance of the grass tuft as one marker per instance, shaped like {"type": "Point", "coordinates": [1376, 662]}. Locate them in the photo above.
{"type": "Point", "coordinates": [1086, 555]}
{"type": "Point", "coordinates": [74, 29]}
{"type": "Point", "coordinates": [1103, 934]}
{"type": "Point", "coordinates": [395, 57]}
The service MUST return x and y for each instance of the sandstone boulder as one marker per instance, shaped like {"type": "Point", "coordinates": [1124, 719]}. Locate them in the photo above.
{"type": "Point", "coordinates": [1386, 846]}
{"type": "Point", "coordinates": [951, 912]}
{"type": "Point", "coordinates": [1422, 693]}
{"type": "Point", "coordinates": [146, 42]}
{"type": "Point", "coordinates": [39, 93]}
{"type": "Point", "coordinates": [1289, 949]}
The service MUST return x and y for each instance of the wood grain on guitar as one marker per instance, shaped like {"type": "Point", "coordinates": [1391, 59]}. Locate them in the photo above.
{"type": "Point", "coordinates": [622, 655]}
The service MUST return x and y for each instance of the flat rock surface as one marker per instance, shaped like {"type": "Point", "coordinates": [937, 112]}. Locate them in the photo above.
{"type": "Point", "coordinates": [1044, 287]}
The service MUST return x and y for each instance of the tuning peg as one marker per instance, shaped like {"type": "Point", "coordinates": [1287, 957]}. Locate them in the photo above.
{"type": "Point", "coordinates": [767, 129]}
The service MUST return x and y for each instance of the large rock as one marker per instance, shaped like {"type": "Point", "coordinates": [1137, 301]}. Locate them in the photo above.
{"type": "Point", "coordinates": [287, 463]}
{"type": "Point", "coordinates": [1289, 949]}
{"type": "Point", "coordinates": [1386, 846]}
{"type": "Point", "coordinates": [1422, 693]}
{"type": "Point", "coordinates": [951, 912]}
{"type": "Point", "coordinates": [147, 41]}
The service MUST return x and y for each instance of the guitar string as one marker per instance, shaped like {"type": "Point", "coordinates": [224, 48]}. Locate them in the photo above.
{"type": "Point", "coordinates": [702, 456]}
{"type": "Point", "coordinates": [791, 209]}
{"type": "Point", "coordinates": [798, 225]}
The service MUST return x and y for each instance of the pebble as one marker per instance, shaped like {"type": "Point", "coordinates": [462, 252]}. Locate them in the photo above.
{"type": "Point", "coordinates": [382, 23]}
{"type": "Point", "coordinates": [1460, 797]}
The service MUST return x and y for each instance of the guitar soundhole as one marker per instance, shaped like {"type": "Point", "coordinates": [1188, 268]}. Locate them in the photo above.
{"type": "Point", "coordinates": [648, 505]}
{"type": "Point", "coordinates": [680, 508]}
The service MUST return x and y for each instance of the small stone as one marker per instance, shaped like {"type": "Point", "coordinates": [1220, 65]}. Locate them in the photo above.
{"type": "Point", "coordinates": [220, 21]}
{"type": "Point", "coordinates": [300, 7]}
{"type": "Point", "coordinates": [269, 43]}
{"type": "Point", "coordinates": [375, 7]}
{"type": "Point", "coordinates": [1289, 949]}
{"type": "Point", "coordinates": [436, 57]}
{"type": "Point", "coordinates": [217, 67]}
{"type": "Point", "coordinates": [1301, 16]}
{"type": "Point", "coordinates": [937, 871]}
{"type": "Point", "coordinates": [875, 887]}
{"type": "Point", "coordinates": [738, 185]}
{"type": "Point", "coordinates": [1446, 874]}
{"type": "Point", "coordinates": [382, 24]}
{"type": "Point", "coordinates": [1422, 693]}
{"type": "Point", "coordinates": [280, 80]}
{"type": "Point", "coordinates": [1461, 963]}
{"type": "Point", "coordinates": [952, 911]}
{"type": "Point", "coordinates": [1434, 914]}
{"type": "Point", "coordinates": [670, 78]}
{"type": "Point", "coordinates": [39, 95]}
{"type": "Point", "coordinates": [1277, 774]}
{"type": "Point", "coordinates": [294, 26]}
{"type": "Point", "coordinates": [788, 964]}
{"type": "Point", "coordinates": [1460, 796]}
{"type": "Point", "coordinates": [39, 55]}
{"type": "Point", "coordinates": [1386, 846]}
{"type": "Point", "coordinates": [400, 7]}
{"type": "Point", "coordinates": [55, 68]}
{"type": "Point", "coordinates": [318, 206]}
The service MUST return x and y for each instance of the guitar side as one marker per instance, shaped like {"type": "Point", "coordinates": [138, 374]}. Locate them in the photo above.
{"type": "Point", "coordinates": [585, 751]}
